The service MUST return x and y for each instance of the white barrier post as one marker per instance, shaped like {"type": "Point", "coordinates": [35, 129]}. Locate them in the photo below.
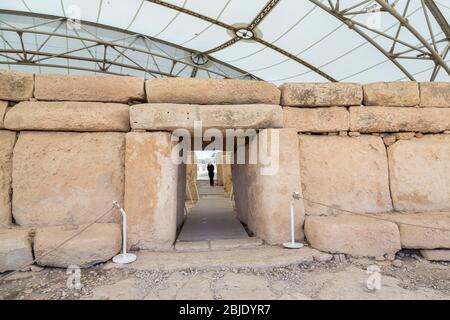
{"type": "Point", "coordinates": [293, 244]}
{"type": "Point", "coordinates": [124, 257]}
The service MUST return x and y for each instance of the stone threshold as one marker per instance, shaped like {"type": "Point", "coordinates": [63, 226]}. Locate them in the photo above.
{"type": "Point", "coordinates": [261, 257]}
{"type": "Point", "coordinates": [213, 245]}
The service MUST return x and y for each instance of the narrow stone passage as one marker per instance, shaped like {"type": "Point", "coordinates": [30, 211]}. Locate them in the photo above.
{"type": "Point", "coordinates": [212, 218]}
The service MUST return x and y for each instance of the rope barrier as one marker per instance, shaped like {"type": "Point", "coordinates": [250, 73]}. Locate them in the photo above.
{"type": "Point", "coordinates": [372, 216]}
{"type": "Point", "coordinates": [58, 246]}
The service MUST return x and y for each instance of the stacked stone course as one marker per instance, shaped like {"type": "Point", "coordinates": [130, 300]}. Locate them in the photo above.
{"type": "Point", "coordinates": [66, 152]}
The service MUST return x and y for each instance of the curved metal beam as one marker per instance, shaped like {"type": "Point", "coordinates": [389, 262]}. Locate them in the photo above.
{"type": "Point", "coordinates": [340, 16]}
{"type": "Point", "coordinates": [404, 22]}
{"type": "Point", "coordinates": [440, 19]}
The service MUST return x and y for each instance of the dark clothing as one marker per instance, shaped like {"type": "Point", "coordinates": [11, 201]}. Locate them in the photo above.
{"type": "Point", "coordinates": [210, 168]}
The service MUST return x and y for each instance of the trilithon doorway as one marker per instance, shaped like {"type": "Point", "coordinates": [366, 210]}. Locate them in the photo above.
{"type": "Point", "coordinates": [211, 212]}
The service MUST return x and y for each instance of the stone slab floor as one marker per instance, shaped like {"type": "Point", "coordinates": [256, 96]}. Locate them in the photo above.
{"type": "Point", "coordinates": [413, 278]}
{"type": "Point", "coordinates": [211, 218]}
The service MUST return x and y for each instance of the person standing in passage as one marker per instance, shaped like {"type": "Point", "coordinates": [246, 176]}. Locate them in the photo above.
{"type": "Point", "coordinates": [210, 168]}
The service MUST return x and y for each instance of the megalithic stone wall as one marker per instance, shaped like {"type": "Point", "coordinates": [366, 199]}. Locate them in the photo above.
{"type": "Point", "coordinates": [375, 148]}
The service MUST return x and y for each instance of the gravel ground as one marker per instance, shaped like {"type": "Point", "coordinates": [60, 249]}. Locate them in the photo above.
{"type": "Point", "coordinates": [410, 276]}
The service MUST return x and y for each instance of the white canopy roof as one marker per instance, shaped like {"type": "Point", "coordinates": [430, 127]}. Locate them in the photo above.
{"type": "Point", "coordinates": [274, 40]}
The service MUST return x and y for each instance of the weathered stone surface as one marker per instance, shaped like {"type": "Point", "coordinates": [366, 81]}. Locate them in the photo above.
{"type": "Point", "coordinates": [150, 190]}
{"type": "Point", "coordinates": [354, 235]}
{"type": "Point", "coordinates": [60, 87]}
{"type": "Point", "coordinates": [15, 249]}
{"type": "Point", "coordinates": [436, 255]}
{"type": "Point", "coordinates": [228, 244]}
{"type": "Point", "coordinates": [3, 109]}
{"type": "Point", "coordinates": [332, 119]}
{"type": "Point", "coordinates": [98, 243]}
{"type": "Point", "coordinates": [263, 191]}
{"type": "Point", "coordinates": [191, 177]}
{"type": "Point", "coordinates": [158, 116]}
{"type": "Point", "coordinates": [67, 178]}
{"type": "Point", "coordinates": [349, 173]}
{"type": "Point", "coordinates": [394, 119]}
{"type": "Point", "coordinates": [420, 173]}
{"type": "Point", "coordinates": [192, 246]}
{"type": "Point", "coordinates": [69, 116]}
{"type": "Point", "coordinates": [435, 94]}
{"type": "Point", "coordinates": [211, 91]}
{"type": "Point", "coordinates": [7, 141]}
{"type": "Point", "coordinates": [391, 94]}
{"type": "Point", "coordinates": [430, 230]}
{"type": "Point", "coordinates": [321, 94]}
{"type": "Point", "coordinates": [16, 86]}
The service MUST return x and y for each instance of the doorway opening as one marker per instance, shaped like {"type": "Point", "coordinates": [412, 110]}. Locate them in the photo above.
{"type": "Point", "coordinates": [210, 209]}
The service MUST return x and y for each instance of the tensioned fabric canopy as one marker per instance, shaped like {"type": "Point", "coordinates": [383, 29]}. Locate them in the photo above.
{"type": "Point", "coordinates": [273, 40]}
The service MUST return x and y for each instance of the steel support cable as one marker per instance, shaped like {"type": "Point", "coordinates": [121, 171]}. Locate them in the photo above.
{"type": "Point", "coordinates": [60, 244]}
{"type": "Point", "coordinates": [373, 215]}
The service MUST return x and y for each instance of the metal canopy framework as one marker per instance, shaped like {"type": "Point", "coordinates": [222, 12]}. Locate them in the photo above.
{"type": "Point", "coordinates": [273, 40]}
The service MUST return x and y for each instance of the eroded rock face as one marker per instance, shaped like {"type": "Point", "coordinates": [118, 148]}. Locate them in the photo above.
{"type": "Point", "coordinates": [16, 86]}
{"type": "Point", "coordinates": [88, 88]}
{"type": "Point", "coordinates": [169, 117]}
{"type": "Point", "coordinates": [354, 235]}
{"type": "Point", "coordinates": [420, 173]}
{"type": "Point", "coordinates": [349, 173]}
{"type": "Point", "coordinates": [15, 249]}
{"type": "Point", "coordinates": [435, 94]}
{"type": "Point", "coordinates": [211, 91]}
{"type": "Point", "coordinates": [150, 191]}
{"type": "Point", "coordinates": [396, 119]}
{"type": "Point", "coordinates": [332, 119]}
{"type": "Point", "coordinates": [98, 243]}
{"type": "Point", "coordinates": [427, 230]}
{"type": "Point", "coordinates": [321, 94]}
{"type": "Point", "coordinates": [66, 178]}
{"type": "Point", "coordinates": [7, 141]}
{"type": "Point", "coordinates": [3, 109]}
{"type": "Point", "coordinates": [436, 255]}
{"type": "Point", "coordinates": [68, 116]}
{"type": "Point", "coordinates": [263, 191]}
{"type": "Point", "coordinates": [391, 94]}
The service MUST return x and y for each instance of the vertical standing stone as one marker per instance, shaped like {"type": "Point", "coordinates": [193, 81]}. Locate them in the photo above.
{"type": "Point", "coordinates": [267, 196]}
{"type": "Point", "coordinates": [191, 177]}
{"type": "Point", "coordinates": [7, 140]}
{"type": "Point", "coordinates": [150, 190]}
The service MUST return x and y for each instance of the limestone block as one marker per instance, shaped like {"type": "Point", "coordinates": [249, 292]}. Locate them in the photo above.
{"type": "Point", "coordinates": [15, 249]}
{"type": "Point", "coordinates": [16, 86]}
{"type": "Point", "coordinates": [60, 87]}
{"type": "Point", "coordinates": [265, 206]}
{"type": "Point", "coordinates": [321, 94]}
{"type": "Point", "coordinates": [332, 119]}
{"type": "Point", "coordinates": [211, 91]}
{"type": "Point", "coordinates": [436, 255]}
{"type": "Point", "coordinates": [191, 178]}
{"type": "Point", "coordinates": [98, 243]}
{"type": "Point", "coordinates": [168, 117]}
{"type": "Point", "coordinates": [391, 94]}
{"type": "Point", "coordinates": [429, 230]}
{"type": "Point", "coordinates": [150, 190]}
{"type": "Point", "coordinates": [349, 173]}
{"type": "Point", "coordinates": [435, 94]}
{"type": "Point", "coordinates": [7, 141]}
{"type": "Point", "coordinates": [395, 119]}
{"type": "Point", "coordinates": [3, 109]}
{"type": "Point", "coordinates": [420, 173]}
{"type": "Point", "coordinates": [68, 116]}
{"type": "Point", "coordinates": [353, 235]}
{"type": "Point", "coordinates": [67, 178]}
